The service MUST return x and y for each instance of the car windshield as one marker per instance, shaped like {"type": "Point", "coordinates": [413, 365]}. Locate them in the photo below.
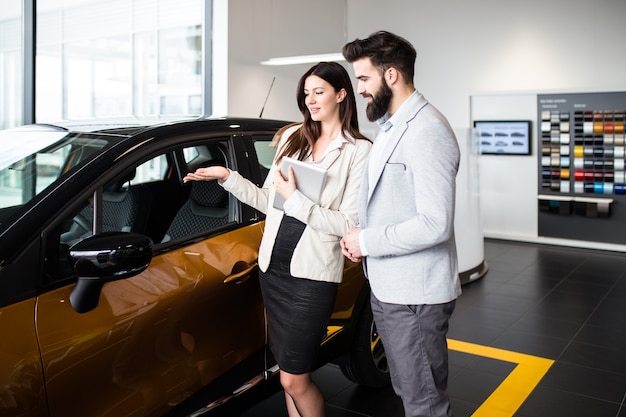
{"type": "Point", "coordinates": [34, 157]}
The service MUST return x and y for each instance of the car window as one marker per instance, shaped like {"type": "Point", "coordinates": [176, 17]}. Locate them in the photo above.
{"type": "Point", "coordinates": [205, 155]}
{"type": "Point", "coordinates": [153, 170]}
{"type": "Point", "coordinates": [22, 177]}
{"type": "Point", "coordinates": [265, 151]}
{"type": "Point", "coordinates": [145, 199]}
{"type": "Point", "coordinates": [30, 176]}
{"type": "Point", "coordinates": [122, 205]}
{"type": "Point", "coordinates": [190, 154]}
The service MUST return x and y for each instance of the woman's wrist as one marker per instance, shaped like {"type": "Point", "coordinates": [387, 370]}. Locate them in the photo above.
{"type": "Point", "coordinates": [226, 174]}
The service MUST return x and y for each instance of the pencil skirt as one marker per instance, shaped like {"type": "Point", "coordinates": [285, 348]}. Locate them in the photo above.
{"type": "Point", "coordinates": [298, 309]}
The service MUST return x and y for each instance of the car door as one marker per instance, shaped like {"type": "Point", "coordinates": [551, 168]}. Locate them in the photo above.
{"type": "Point", "coordinates": [157, 338]}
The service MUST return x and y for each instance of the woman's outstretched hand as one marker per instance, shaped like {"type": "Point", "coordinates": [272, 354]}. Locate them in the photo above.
{"type": "Point", "coordinates": [207, 174]}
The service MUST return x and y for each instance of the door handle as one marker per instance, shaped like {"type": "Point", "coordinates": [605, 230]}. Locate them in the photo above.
{"type": "Point", "coordinates": [241, 273]}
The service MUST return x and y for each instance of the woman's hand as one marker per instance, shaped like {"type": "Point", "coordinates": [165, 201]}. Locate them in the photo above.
{"type": "Point", "coordinates": [285, 186]}
{"type": "Point", "coordinates": [207, 174]}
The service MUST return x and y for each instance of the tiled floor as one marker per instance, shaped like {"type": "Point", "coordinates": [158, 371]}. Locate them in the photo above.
{"type": "Point", "coordinates": [538, 307]}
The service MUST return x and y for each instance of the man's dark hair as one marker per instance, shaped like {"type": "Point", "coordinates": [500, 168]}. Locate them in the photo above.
{"type": "Point", "coordinates": [385, 50]}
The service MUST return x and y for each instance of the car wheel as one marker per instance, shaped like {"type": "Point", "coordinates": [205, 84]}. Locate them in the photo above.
{"type": "Point", "coordinates": [367, 364]}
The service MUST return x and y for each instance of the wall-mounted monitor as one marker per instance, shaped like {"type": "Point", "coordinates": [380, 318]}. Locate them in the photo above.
{"type": "Point", "coordinates": [504, 137]}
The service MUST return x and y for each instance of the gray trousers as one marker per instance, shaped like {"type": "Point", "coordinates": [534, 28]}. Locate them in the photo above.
{"type": "Point", "coordinates": [414, 337]}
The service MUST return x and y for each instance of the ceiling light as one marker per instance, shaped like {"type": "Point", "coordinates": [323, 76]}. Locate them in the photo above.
{"type": "Point", "coordinates": [304, 59]}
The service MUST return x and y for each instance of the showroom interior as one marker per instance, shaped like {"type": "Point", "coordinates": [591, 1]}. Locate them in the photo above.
{"type": "Point", "coordinates": [540, 329]}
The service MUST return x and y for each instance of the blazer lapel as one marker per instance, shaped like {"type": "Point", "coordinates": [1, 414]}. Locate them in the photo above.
{"type": "Point", "coordinates": [331, 157]}
{"type": "Point", "coordinates": [392, 142]}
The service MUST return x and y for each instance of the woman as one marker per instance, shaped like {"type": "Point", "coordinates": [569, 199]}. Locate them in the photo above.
{"type": "Point", "coordinates": [300, 258]}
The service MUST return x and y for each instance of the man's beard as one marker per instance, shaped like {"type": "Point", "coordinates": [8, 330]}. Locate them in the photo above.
{"type": "Point", "coordinates": [380, 103]}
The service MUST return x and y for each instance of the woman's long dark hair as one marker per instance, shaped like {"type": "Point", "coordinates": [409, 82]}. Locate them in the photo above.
{"type": "Point", "coordinates": [300, 143]}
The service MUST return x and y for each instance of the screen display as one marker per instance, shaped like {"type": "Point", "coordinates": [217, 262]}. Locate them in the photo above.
{"type": "Point", "coordinates": [504, 137]}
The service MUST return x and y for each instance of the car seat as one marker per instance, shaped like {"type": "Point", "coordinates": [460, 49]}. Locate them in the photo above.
{"type": "Point", "coordinates": [125, 208]}
{"type": "Point", "coordinates": [205, 209]}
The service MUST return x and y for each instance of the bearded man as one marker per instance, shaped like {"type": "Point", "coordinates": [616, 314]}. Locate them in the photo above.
{"type": "Point", "coordinates": [406, 218]}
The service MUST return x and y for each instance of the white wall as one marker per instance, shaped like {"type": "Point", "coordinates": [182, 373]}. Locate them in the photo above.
{"type": "Point", "coordinates": [263, 29]}
{"type": "Point", "coordinates": [465, 49]}
{"type": "Point", "coordinates": [508, 183]}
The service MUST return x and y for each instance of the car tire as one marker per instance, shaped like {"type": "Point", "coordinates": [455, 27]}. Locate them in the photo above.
{"type": "Point", "coordinates": [367, 364]}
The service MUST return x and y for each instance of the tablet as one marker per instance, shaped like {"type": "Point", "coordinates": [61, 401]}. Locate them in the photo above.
{"type": "Point", "coordinates": [310, 179]}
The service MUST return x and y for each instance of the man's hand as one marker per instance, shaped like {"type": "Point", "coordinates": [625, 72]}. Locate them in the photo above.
{"type": "Point", "coordinates": [350, 245]}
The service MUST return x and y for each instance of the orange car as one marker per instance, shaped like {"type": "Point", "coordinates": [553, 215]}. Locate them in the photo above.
{"type": "Point", "coordinates": [126, 292]}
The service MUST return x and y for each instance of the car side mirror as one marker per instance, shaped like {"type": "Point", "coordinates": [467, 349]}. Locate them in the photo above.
{"type": "Point", "coordinates": [106, 257]}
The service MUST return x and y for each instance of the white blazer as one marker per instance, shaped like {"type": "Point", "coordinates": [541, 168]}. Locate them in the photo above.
{"type": "Point", "coordinates": [317, 255]}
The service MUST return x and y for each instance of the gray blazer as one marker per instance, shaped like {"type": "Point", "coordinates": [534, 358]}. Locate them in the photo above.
{"type": "Point", "coordinates": [408, 215]}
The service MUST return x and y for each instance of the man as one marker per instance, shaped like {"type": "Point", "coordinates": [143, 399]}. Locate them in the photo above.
{"type": "Point", "coordinates": [406, 215]}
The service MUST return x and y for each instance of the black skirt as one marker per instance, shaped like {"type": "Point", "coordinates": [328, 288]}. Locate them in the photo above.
{"type": "Point", "coordinates": [298, 309]}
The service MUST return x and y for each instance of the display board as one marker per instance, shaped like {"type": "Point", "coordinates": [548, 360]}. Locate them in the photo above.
{"type": "Point", "coordinates": [582, 184]}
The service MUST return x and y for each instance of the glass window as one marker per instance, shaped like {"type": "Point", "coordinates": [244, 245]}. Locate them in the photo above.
{"type": "Point", "coordinates": [38, 159]}
{"type": "Point", "coordinates": [141, 199]}
{"type": "Point", "coordinates": [205, 155]}
{"type": "Point", "coordinates": [153, 170]}
{"type": "Point", "coordinates": [190, 154]}
{"type": "Point", "coordinates": [265, 152]}
{"type": "Point", "coordinates": [11, 68]}
{"type": "Point", "coordinates": [107, 58]}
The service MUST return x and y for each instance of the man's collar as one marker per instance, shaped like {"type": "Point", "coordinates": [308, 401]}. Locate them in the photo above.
{"type": "Point", "coordinates": [386, 122]}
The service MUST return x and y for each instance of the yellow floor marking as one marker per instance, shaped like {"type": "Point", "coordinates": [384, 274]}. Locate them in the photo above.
{"type": "Point", "coordinates": [516, 387]}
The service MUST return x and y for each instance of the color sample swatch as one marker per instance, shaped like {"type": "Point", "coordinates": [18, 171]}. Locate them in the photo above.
{"type": "Point", "coordinates": [582, 151]}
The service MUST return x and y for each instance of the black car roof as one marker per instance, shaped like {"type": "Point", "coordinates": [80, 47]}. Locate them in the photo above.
{"type": "Point", "coordinates": [129, 126]}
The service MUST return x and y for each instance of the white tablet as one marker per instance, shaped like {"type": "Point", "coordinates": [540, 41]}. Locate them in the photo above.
{"type": "Point", "coordinates": [310, 179]}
